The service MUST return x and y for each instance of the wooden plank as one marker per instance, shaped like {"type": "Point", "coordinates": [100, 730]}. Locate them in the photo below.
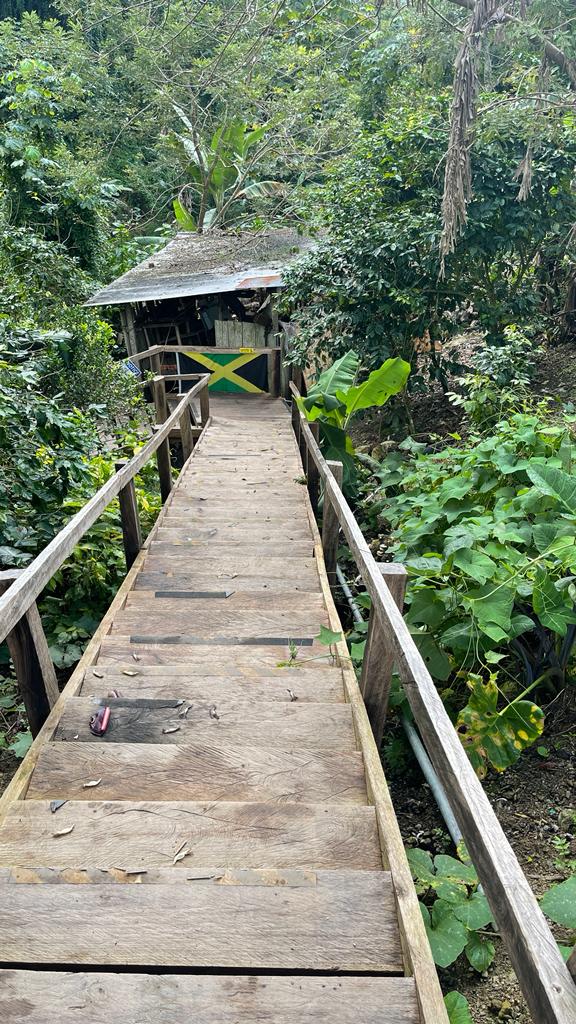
{"type": "Point", "coordinates": [324, 685]}
{"type": "Point", "coordinates": [145, 601]}
{"type": "Point", "coordinates": [197, 772]}
{"type": "Point", "coordinates": [226, 533]}
{"type": "Point", "coordinates": [378, 661]}
{"type": "Point", "coordinates": [543, 976]}
{"type": "Point", "coordinates": [330, 523]}
{"type": "Point", "coordinates": [218, 621]}
{"type": "Point", "coordinates": [245, 564]}
{"type": "Point", "coordinates": [345, 921]}
{"type": "Point", "coordinates": [136, 834]}
{"type": "Point", "coordinates": [142, 720]}
{"type": "Point", "coordinates": [173, 579]}
{"type": "Point", "coordinates": [51, 997]}
{"type": "Point", "coordinates": [131, 532]}
{"type": "Point", "coordinates": [211, 550]}
{"type": "Point", "coordinates": [223, 659]}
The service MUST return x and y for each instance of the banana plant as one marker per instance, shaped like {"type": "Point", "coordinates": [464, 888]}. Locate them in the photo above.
{"type": "Point", "coordinates": [337, 397]}
{"type": "Point", "coordinates": [220, 173]}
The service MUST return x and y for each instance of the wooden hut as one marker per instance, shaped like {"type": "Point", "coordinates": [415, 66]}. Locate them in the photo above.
{"type": "Point", "coordinates": [211, 300]}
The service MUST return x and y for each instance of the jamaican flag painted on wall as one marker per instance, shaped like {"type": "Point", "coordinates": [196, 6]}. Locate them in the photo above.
{"type": "Point", "coordinates": [230, 371]}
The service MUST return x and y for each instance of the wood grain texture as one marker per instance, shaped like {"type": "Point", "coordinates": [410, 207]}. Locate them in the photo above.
{"type": "Point", "coordinates": [322, 686]}
{"type": "Point", "coordinates": [346, 921]}
{"type": "Point", "coordinates": [178, 579]}
{"type": "Point", "coordinates": [237, 600]}
{"type": "Point", "coordinates": [223, 659]}
{"type": "Point", "coordinates": [51, 997]}
{"type": "Point", "coordinates": [140, 720]}
{"type": "Point", "coordinates": [197, 772]}
{"type": "Point", "coordinates": [219, 620]}
{"type": "Point", "coordinates": [136, 834]}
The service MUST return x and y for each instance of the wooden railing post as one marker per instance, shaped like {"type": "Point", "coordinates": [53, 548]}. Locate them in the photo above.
{"type": "Point", "coordinates": [164, 467]}
{"type": "Point", "coordinates": [312, 474]}
{"type": "Point", "coordinates": [32, 661]}
{"type": "Point", "coordinates": [296, 421]}
{"type": "Point", "coordinates": [186, 436]}
{"type": "Point", "coordinates": [160, 399]}
{"type": "Point", "coordinates": [331, 526]}
{"type": "Point", "coordinates": [204, 405]}
{"type": "Point", "coordinates": [378, 661]}
{"type": "Point", "coordinates": [130, 519]}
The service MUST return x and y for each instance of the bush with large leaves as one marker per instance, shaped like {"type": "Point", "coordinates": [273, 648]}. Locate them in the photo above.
{"type": "Point", "coordinates": [488, 534]}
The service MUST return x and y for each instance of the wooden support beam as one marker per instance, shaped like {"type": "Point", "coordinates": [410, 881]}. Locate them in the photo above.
{"type": "Point", "coordinates": [187, 437]}
{"type": "Point", "coordinates": [312, 474]}
{"type": "Point", "coordinates": [130, 519]}
{"type": "Point", "coordinates": [32, 661]}
{"type": "Point", "coordinates": [331, 525]}
{"type": "Point", "coordinates": [378, 661]}
{"type": "Point", "coordinates": [296, 421]}
{"type": "Point", "coordinates": [164, 466]}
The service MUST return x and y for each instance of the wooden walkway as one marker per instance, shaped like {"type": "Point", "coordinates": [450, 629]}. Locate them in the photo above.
{"type": "Point", "coordinates": [226, 851]}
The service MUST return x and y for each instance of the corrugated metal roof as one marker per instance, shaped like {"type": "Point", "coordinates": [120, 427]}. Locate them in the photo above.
{"type": "Point", "coordinates": [219, 261]}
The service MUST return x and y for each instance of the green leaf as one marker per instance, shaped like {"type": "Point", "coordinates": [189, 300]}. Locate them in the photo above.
{"type": "Point", "coordinates": [559, 903]}
{"type": "Point", "coordinates": [327, 637]}
{"type": "Point", "coordinates": [20, 744]}
{"type": "Point", "coordinates": [555, 483]}
{"type": "Point", "coordinates": [436, 661]}
{"type": "Point", "coordinates": [338, 377]}
{"type": "Point", "coordinates": [446, 934]}
{"type": "Point", "coordinates": [474, 912]}
{"type": "Point", "coordinates": [493, 736]}
{"type": "Point", "coordinates": [421, 866]}
{"type": "Point", "coordinates": [387, 380]}
{"type": "Point", "coordinates": [457, 1008]}
{"type": "Point", "coordinates": [450, 867]}
{"type": "Point", "coordinates": [479, 952]}
{"type": "Point", "coordinates": [475, 564]}
{"type": "Point", "coordinates": [184, 218]}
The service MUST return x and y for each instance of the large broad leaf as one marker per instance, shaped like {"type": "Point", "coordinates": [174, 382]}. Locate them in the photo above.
{"type": "Point", "coordinates": [185, 219]}
{"type": "Point", "coordinates": [435, 660]}
{"type": "Point", "coordinates": [446, 934]}
{"type": "Point", "coordinates": [337, 447]}
{"type": "Point", "coordinates": [382, 383]}
{"type": "Point", "coordinates": [338, 377]}
{"type": "Point", "coordinates": [550, 606]}
{"type": "Point", "coordinates": [475, 564]}
{"type": "Point", "coordinates": [555, 483]}
{"type": "Point", "coordinates": [559, 903]}
{"type": "Point", "coordinates": [474, 912]}
{"type": "Point", "coordinates": [493, 736]}
{"type": "Point", "coordinates": [491, 606]}
{"type": "Point", "coordinates": [479, 952]}
{"type": "Point", "coordinates": [457, 1008]}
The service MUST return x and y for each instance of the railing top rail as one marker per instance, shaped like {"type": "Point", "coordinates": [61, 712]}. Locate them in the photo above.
{"type": "Point", "coordinates": [545, 980]}
{"type": "Point", "coordinates": [34, 577]}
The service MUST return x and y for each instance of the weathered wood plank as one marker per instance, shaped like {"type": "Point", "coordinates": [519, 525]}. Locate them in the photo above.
{"type": "Point", "coordinates": [237, 599]}
{"type": "Point", "coordinates": [197, 772]}
{"type": "Point", "coordinates": [346, 921]}
{"type": "Point", "coordinates": [176, 681]}
{"type": "Point", "coordinates": [232, 660]}
{"type": "Point", "coordinates": [226, 563]}
{"type": "Point", "coordinates": [176, 579]}
{"type": "Point", "coordinates": [140, 720]}
{"type": "Point", "coordinates": [218, 621]}
{"type": "Point", "coordinates": [137, 834]}
{"type": "Point", "coordinates": [50, 997]}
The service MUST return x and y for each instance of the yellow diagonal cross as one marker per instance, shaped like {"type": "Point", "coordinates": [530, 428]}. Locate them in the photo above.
{"type": "Point", "coordinates": [226, 371]}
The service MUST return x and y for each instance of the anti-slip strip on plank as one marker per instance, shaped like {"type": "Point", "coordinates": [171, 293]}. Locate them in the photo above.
{"type": "Point", "coordinates": [191, 594]}
{"type": "Point", "coordinates": [226, 641]}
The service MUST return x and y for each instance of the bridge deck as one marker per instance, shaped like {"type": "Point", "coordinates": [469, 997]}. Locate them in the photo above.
{"type": "Point", "coordinates": [217, 853]}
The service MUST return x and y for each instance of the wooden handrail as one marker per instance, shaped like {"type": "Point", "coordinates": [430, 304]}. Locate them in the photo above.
{"type": "Point", "coordinates": [32, 580]}
{"type": "Point", "coordinates": [544, 978]}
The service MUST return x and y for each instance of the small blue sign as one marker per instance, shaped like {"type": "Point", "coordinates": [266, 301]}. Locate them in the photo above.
{"type": "Point", "coordinates": [132, 368]}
